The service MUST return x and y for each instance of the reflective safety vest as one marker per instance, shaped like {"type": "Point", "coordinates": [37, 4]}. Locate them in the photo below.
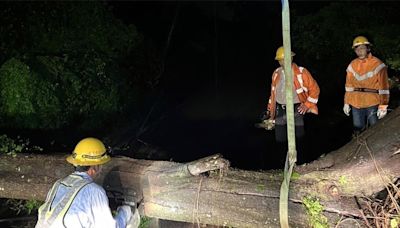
{"type": "Point", "coordinates": [53, 215]}
{"type": "Point", "coordinates": [307, 89]}
{"type": "Point", "coordinates": [367, 83]}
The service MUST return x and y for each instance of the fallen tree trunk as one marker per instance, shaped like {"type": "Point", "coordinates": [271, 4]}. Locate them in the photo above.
{"type": "Point", "coordinates": [207, 191]}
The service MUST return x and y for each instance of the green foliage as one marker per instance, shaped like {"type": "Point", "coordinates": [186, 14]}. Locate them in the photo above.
{"type": "Point", "coordinates": [64, 64]}
{"type": "Point", "coordinates": [64, 27]}
{"type": "Point", "coordinates": [315, 212]}
{"type": "Point", "coordinates": [16, 90]}
{"type": "Point", "coordinates": [26, 99]}
{"type": "Point", "coordinates": [11, 147]}
{"type": "Point", "coordinates": [323, 39]}
{"type": "Point", "coordinates": [342, 180]}
{"type": "Point", "coordinates": [295, 176]}
{"type": "Point", "coordinates": [144, 222]}
{"type": "Point", "coordinates": [326, 36]}
{"type": "Point", "coordinates": [395, 222]}
{"type": "Point", "coordinates": [32, 205]}
{"type": "Point", "coordinates": [24, 206]}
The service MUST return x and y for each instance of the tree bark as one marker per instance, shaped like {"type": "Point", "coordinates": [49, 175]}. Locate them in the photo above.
{"type": "Point", "coordinates": [208, 192]}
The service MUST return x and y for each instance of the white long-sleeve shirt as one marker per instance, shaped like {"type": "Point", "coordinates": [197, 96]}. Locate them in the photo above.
{"type": "Point", "coordinates": [90, 207]}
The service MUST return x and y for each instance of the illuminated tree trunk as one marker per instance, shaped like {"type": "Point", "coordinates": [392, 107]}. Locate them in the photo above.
{"type": "Point", "coordinates": [206, 191]}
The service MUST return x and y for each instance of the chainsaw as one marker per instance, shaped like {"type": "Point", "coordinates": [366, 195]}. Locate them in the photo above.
{"type": "Point", "coordinates": [266, 122]}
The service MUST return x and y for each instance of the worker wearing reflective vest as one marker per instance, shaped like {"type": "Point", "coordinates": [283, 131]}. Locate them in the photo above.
{"type": "Point", "coordinates": [76, 201]}
{"type": "Point", "coordinates": [305, 97]}
{"type": "Point", "coordinates": [367, 87]}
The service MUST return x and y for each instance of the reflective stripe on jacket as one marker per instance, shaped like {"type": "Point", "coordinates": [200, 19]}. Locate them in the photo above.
{"type": "Point", "coordinates": [363, 75]}
{"type": "Point", "coordinates": [52, 214]}
{"type": "Point", "coordinates": [306, 87]}
{"type": "Point", "coordinates": [76, 201]}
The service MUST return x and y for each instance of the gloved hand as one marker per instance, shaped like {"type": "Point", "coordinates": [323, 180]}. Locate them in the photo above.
{"type": "Point", "coordinates": [382, 111]}
{"type": "Point", "coordinates": [346, 109]}
{"type": "Point", "coordinates": [126, 211]}
{"type": "Point", "coordinates": [134, 222]}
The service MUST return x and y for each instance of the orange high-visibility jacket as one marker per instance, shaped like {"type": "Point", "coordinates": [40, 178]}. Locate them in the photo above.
{"type": "Point", "coordinates": [306, 87]}
{"type": "Point", "coordinates": [366, 74]}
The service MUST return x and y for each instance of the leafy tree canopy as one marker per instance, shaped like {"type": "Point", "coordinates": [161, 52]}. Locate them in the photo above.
{"type": "Point", "coordinates": [61, 62]}
{"type": "Point", "coordinates": [325, 38]}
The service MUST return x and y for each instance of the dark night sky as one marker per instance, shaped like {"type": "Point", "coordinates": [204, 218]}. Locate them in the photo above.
{"type": "Point", "coordinates": [215, 99]}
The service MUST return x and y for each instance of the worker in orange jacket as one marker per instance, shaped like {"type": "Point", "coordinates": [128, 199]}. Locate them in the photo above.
{"type": "Point", "coordinates": [367, 87]}
{"type": "Point", "coordinates": [305, 98]}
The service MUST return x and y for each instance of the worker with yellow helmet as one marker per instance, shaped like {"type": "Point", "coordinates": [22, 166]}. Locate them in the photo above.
{"type": "Point", "coordinates": [305, 98]}
{"type": "Point", "coordinates": [77, 201]}
{"type": "Point", "coordinates": [367, 87]}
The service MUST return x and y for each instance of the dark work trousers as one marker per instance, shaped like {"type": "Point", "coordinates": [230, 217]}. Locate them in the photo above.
{"type": "Point", "coordinates": [364, 117]}
{"type": "Point", "coordinates": [281, 132]}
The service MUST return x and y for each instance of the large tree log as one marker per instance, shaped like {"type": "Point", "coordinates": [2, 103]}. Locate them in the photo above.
{"type": "Point", "coordinates": [230, 197]}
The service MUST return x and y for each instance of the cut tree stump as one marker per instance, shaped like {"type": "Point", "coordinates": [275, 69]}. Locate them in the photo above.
{"type": "Point", "coordinates": [207, 191]}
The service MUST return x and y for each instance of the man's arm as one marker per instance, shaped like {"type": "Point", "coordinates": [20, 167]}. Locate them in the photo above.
{"type": "Point", "coordinates": [313, 89]}
{"type": "Point", "coordinates": [101, 211]}
{"type": "Point", "coordinates": [383, 87]}
{"type": "Point", "coordinates": [270, 106]}
{"type": "Point", "coordinates": [348, 86]}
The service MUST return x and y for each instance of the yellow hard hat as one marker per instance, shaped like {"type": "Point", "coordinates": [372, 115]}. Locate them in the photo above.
{"type": "Point", "coordinates": [88, 152]}
{"type": "Point", "coordinates": [359, 40]}
{"type": "Point", "coordinates": [280, 53]}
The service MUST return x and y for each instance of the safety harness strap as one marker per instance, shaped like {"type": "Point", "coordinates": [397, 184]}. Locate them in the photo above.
{"type": "Point", "coordinates": [50, 214]}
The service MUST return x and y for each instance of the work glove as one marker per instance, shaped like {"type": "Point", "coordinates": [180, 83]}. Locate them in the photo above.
{"type": "Point", "coordinates": [346, 109]}
{"type": "Point", "coordinates": [382, 111]}
{"type": "Point", "coordinates": [126, 212]}
{"type": "Point", "coordinates": [134, 222]}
